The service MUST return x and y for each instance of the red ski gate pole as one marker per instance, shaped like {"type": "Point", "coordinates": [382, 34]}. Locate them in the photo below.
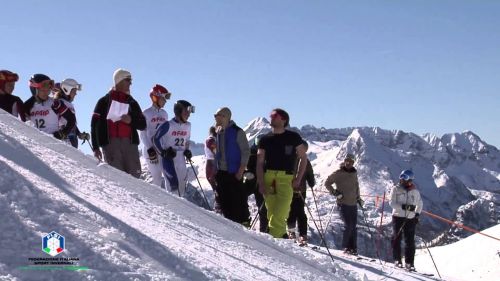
{"type": "Point", "coordinates": [381, 220]}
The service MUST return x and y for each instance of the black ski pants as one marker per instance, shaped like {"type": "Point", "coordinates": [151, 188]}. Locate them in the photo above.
{"type": "Point", "coordinates": [350, 217]}
{"type": "Point", "coordinates": [403, 227]}
{"type": "Point", "coordinates": [232, 197]}
{"type": "Point", "coordinates": [297, 213]}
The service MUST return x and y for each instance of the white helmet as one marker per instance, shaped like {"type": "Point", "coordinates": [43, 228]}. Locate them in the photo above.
{"type": "Point", "coordinates": [69, 84]}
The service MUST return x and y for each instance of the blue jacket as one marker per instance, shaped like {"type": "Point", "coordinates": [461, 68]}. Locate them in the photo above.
{"type": "Point", "coordinates": [232, 152]}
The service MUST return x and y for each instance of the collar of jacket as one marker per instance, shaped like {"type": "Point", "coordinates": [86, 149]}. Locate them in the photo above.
{"type": "Point", "coordinates": [119, 96]}
{"type": "Point", "coordinates": [351, 170]}
{"type": "Point", "coordinates": [410, 187]}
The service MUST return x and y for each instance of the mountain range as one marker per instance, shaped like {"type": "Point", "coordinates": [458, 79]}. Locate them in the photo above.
{"type": "Point", "coordinates": [458, 174]}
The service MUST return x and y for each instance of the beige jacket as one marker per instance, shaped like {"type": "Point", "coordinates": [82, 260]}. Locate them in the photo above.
{"type": "Point", "coordinates": [347, 183]}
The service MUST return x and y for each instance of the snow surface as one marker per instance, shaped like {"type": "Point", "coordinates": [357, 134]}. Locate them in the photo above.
{"type": "Point", "coordinates": [122, 228]}
{"type": "Point", "coordinates": [474, 258]}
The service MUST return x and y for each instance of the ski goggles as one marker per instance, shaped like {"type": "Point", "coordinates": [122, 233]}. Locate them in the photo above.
{"type": "Point", "coordinates": [78, 87]}
{"type": "Point", "coordinates": [162, 95]}
{"type": "Point", "coordinates": [45, 85]}
{"type": "Point", "coordinates": [405, 177]}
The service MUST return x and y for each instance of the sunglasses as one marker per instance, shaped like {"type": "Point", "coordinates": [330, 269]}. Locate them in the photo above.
{"type": "Point", "coordinates": [44, 85]}
{"type": "Point", "coordinates": [218, 114]}
{"type": "Point", "coordinates": [191, 109]}
{"type": "Point", "coordinates": [275, 115]}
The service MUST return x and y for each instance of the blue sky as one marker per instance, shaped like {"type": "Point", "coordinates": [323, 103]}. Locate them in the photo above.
{"type": "Point", "coordinates": [418, 66]}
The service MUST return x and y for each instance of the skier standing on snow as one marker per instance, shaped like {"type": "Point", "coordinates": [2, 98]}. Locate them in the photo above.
{"type": "Point", "coordinates": [66, 92]}
{"type": "Point", "coordinates": [347, 193]}
{"type": "Point", "coordinates": [9, 102]}
{"type": "Point", "coordinates": [406, 206]}
{"type": "Point", "coordinates": [172, 141]}
{"type": "Point", "coordinates": [116, 119]}
{"type": "Point", "coordinates": [277, 156]}
{"type": "Point", "coordinates": [250, 182]}
{"type": "Point", "coordinates": [297, 216]}
{"type": "Point", "coordinates": [155, 116]}
{"type": "Point", "coordinates": [210, 166]}
{"type": "Point", "coordinates": [44, 112]}
{"type": "Point", "coordinates": [231, 160]}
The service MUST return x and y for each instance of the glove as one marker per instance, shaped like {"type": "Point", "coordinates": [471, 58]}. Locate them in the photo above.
{"type": "Point", "coordinates": [59, 135]}
{"type": "Point", "coordinates": [338, 194]}
{"type": "Point", "coordinates": [168, 153]}
{"type": "Point", "coordinates": [248, 176]}
{"type": "Point", "coordinates": [153, 157]}
{"type": "Point", "coordinates": [417, 215]}
{"type": "Point", "coordinates": [188, 154]}
{"type": "Point", "coordinates": [361, 203]}
{"type": "Point", "coordinates": [84, 136]}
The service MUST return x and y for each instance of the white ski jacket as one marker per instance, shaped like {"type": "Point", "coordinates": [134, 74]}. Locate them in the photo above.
{"type": "Point", "coordinates": [406, 197]}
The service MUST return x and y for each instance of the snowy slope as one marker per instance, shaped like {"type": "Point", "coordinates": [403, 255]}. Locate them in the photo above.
{"type": "Point", "coordinates": [122, 228]}
{"type": "Point", "coordinates": [474, 258]}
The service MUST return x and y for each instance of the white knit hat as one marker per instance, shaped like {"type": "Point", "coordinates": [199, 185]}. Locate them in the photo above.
{"type": "Point", "coordinates": [121, 74]}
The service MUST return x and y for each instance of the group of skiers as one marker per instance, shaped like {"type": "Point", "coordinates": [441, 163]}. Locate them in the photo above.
{"type": "Point", "coordinates": [51, 114]}
{"type": "Point", "coordinates": [274, 168]}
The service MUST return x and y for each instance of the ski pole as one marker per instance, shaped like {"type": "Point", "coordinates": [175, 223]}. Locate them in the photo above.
{"type": "Point", "coordinates": [92, 148]}
{"type": "Point", "coordinates": [256, 217]}
{"type": "Point", "coordinates": [320, 234]}
{"type": "Point", "coordinates": [202, 192]}
{"type": "Point", "coordinates": [435, 266]}
{"type": "Point", "coordinates": [88, 141]}
{"type": "Point", "coordinates": [379, 236]}
{"type": "Point", "coordinates": [331, 215]}
{"type": "Point", "coordinates": [371, 234]}
{"type": "Point", "coordinates": [393, 242]}
{"type": "Point", "coordinates": [317, 211]}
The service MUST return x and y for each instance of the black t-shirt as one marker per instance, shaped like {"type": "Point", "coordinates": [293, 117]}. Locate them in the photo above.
{"type": "Point", "coordinates": [280, 150]}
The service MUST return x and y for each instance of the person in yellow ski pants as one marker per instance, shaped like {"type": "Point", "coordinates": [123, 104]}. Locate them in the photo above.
{"type": "Point", "coordinates": [277, 155]}
{"type": "Point", "coordinates": [278, 196]}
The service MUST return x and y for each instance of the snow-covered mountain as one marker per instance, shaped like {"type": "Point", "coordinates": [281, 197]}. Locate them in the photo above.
{"type": "Point", "coordinates": [457, 174]}
{"type": "Point", "coordinates": [117, 227]}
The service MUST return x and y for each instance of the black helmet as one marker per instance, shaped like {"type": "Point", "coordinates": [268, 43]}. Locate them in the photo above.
{"type": "Point", "coordinates": [35, 81]}
{"type": "Point", "coordinates": [180, 105]}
